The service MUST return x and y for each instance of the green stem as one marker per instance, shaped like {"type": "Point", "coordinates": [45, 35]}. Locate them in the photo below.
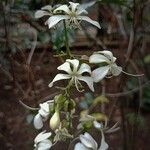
{"type": "Point", "coordinates": [67, 41]}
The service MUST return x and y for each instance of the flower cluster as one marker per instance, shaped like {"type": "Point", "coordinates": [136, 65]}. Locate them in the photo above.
{"type": "Point", "coordinates": [73, 14]}
{"type": "Point", "coordinates": [74, 69]}
{"type": "Point", "coordinates": [61, 110]}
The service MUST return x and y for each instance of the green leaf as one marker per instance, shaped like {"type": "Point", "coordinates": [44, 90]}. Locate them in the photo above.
{"type": "Point", "coordinates": [147, 59]}
{"type": "Point", "coordinates": [99, 116]}
{"type": "Point", "coordinates": [135, 119]}
{"type": "Point", "coordinates": [100, 99]}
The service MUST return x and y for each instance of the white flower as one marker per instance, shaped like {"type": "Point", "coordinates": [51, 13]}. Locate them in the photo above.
{"type": "Point", "coordinates": [43, 114]}
{"type": "Point", "coordinates": [72, 14]}
{"type": "Point", "coordinates": [87, 142]}
{"type": "Point", "coordinates": [110, 68]}
{"type": "Point", "coordinates": [41, 142]}
{"type": "Point", "coordinates": [74, 72]}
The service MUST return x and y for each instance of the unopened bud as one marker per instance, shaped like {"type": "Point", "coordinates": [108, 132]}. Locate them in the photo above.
{"type": "Point", "coordinates": [55, 121]}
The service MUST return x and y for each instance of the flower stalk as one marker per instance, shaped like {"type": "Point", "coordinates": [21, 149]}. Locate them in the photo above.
{"type": "Point", "coordinates": [67, 40]}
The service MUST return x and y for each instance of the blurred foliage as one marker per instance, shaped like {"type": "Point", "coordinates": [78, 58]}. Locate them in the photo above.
{"type": "Point", "coordinates": [86, 101]}
{"type": "Point", "coordinates": [135, 119]}
{"type": "Point", "coordinates": [89, 100]}
{"type": "Point", "coordinates": [118, 2]}
{"type": "Point", "coordinates": [145, 103]}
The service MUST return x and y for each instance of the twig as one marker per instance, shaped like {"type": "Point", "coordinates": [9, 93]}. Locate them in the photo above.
{"type": "Point", "coordinates": [122, 94]}
{"type": "Point", "coordinates": [11, 79]}
{"type": "Point", "coordinates": [28, 107]}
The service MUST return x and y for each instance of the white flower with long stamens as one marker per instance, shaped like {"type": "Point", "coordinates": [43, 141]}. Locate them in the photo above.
{"type": "Point", "coordinates": [87, 142]}
{"type": "Point", "coordinates": [72, 14]}
{"type": "Point", "coordinates": [74, 72]}
{"type": "Point", "coordinates": [41, 142]}
{"type": "Point", "coordinates": [43, 114]}
{"type": "Point", "coordinates": [110, 69]}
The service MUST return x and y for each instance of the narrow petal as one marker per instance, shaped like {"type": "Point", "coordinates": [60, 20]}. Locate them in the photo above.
{"type": "Point", "coordinates": [53, 20]}
{"type": "Point", "coordinates": [65, 67]}
{"type": "Point", "coordinates": [85, 18]}
{"type": "Point", "coordinates": [87, 135]}
{"type": "Point", "coordinates": [115, 70]}
{"type": "Point", "coordinates": [99, 73]}
{"type": "Point", "coordinates": [73, 6]}
{"type": "Point", "coordinates": [41, 13]}
{"type": "Point", "coordinates": [64, 8]}
{"type": "Point", "coordinates": [42, 136]}
{"type": "Point", "coordinates": [80, 11]}
{"type": "Point", "coordinates": [38, 123]}
{"type": "Point", "coordinates": [88, 141]}
{"type": "Point", "coordinates": [59, 77]}
{"type": "Point", "coordinates": [84, 68]}
{"type": "Point", "coordinates": [80, 146]}
{"type": "Point", "coordinates": [98, 58]}
{"type": "Point", "coordinates": [88, 80]}
{"type": "Point", "coordinates": [75, 64]}
{"type": "Point", "coordinates": [104, 145]}
{"type": "Point", "coordinates": [47, 7]}
{"type": "Point", "coordinates": [45, 145]}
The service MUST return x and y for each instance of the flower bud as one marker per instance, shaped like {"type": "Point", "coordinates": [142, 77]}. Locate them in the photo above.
{"type": "Point", "coordinates": [55, 121]}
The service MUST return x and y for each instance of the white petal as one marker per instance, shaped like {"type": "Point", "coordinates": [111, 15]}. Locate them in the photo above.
{"type": "Point", "coordinates": [44, 114]}
{"type": "Point", "coordinates": [65, 67]}
{"type": "Point", "coordinates": [97, 125]}
{"type": "Point", "coordinates": [88, 141]}
{"type": "Point", "coordinates": [99, 73]}
{"type": "Point", "coordinates": [85, 18]}
{"type": "Point", "coordinates": [80, 146]}
{"type": "Point", "coordinates": [47, 7]}
{"type": "Point", "coordinates": [42, 136]}
{"type": "Point", "coordinates": [88, 80]}
{"type": "Point", "coordinates": [45, 106]}
{"type": "Point", "coordinates": [41, 13]}
{"type": "Point", "coordinates": [44, 110]}
{"type": "Point", "coordinates": [87, 135]}
{"type": "Point", "coordinates": [45, 145]}
{"type": "Point", "coordinates": [59, 77]}
{"type": "Point", "coordinates": [104, 145]}
{"type": "Point", "coordinates": [116, 70]}
{"type": "Point", "coordinates": [73, 6]}
{"type": "Point", "coordinates": [84, 68]}
{"type": "Point", "coordinates": [38, 122]}
{"type": "Point", "coordinates": [98, 58]}
{"type": "Point", "coordinates": [108, 54]}
{"type": "Point", "coordinates": [64, 8]}
{"type": "Point", "coordinates": [53, 20]}
{"type": "Point", "coordinates": [75, 64]}
{"type": "Point", "coordinates": [80, 11]}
